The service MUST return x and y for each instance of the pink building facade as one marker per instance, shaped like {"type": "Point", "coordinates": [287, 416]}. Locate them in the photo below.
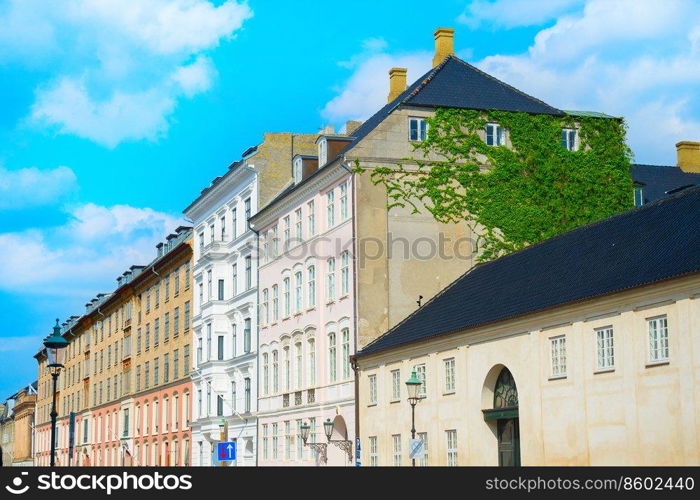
{"type": "Point", "coordinates": [307, 334]}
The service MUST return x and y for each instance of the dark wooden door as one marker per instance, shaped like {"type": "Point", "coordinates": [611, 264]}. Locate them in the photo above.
{"type": "Point", "coordinates": [509, 443]}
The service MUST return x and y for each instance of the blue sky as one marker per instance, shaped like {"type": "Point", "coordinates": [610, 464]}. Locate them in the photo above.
{"type": "Point", "coordinates": [114, 115]}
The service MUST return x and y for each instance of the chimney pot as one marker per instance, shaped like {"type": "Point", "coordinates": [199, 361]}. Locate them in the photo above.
{"type": "Point", "coordinates": [444, 44]}
{"type": "Point", "coordinates": [689, 156]}
{"type": "Point", "coordinates": [397, 82]}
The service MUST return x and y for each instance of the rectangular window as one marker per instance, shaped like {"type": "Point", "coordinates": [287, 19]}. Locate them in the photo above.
{"type": "Point", "coordinates": [220, 348]}
{"type": "Point", "coordinates": [332, 354]}
{"type": "Point", "coordinates": [222, 223]}
{"type": "Point", "coordinates": [247, 394]}
{"type": "Point", "coordinates": [248, 272]}
{"type": "Point", "coordinates": [451, 447]}
{"type": "Point", "coordinates": [234, 396]}
{"type": "Point", "coordinates": [247, 206]}
{"type": "Point", "coordinates": [345, 273]}
{"type": "Point", "coordinates": [417, 129]}
{"type": "Point", "coordinates": [395, 385]}
{"type": "Point", "coordinates": [246, 335]}
{"type": "Point", "coordinates": [264, 307]}
{"type": "Point", "coordinates": [638, 196]}
{"type": "Point", "coordinates": [176, 364]}
{"type": "Point", "coordinates": [311, 210]}
{"type": "Point", "coordinates": [186, 321]}
{"type": "Point", "coordinates": [166, 327]}
{"type": "Point", "coordinates": [287, 440]}
{"type": "Point", "coordinates": [343, 201]}
{"type": "Point", "coordinates": [495, 135]}
{"type": "Point", "coordinates": [176, 322]}
{"type": "Point", "coordinates": [420, 373]}
{"type": "Point", "coordinates": [234, 223]}
{"type": "Point", "coordinates": [569, 139]}
{"type": "Point", "coordinates": [156, 373]}
{"type": "Point", "coordinates": [311, 297]}
{"type": "Point", "coordinates": [372, 389]}
{"type": "Point", "coordinates": [346, 353]}
{"type": "Point", "coordinates": [373, 456]}
{"type": "Point", "coordinates": [221, 290]}
{"type": "Point", "coordinates": [234, 279]}
{"type": "Point", "coordinates": [186, 360]}
{"type": "Point", "coordinates": [330, 207]}
{"type": "Point", "coordinates": [219, 405]}
{"type": "Point", "coordinates": [297, 226]}
{"type": "Point", "coordinates": [166, 368]}
{"type": "Point", "coordinates": [396, 439]}
{"type": "Point", "coordinates": [265, 442]}
{"type": "Point", "coordinates": [287, 233]}
{"type": "Point", "coordinates": [330, 281]}
{"type": "Point", "coordinates": [286, 297]}
{"type": "Point", "coordinates": [275, 303]}
{"type": "Point", "coordinates": [275, 442]}
{"type": "Point", "coordinates": [298, 294]}
{"type": "Point", "coordinates": [450, 375]}
{"type": "Point", "coordinates": [423, 436]}
{"type": "Point", "coordinates": [187, 275]}
{"type": "Point", "coordinates": [558, 356]}
{"type": "Point", "coordinates": [658, 339]}
{"type": "Point", "coordinates": [605, 342]}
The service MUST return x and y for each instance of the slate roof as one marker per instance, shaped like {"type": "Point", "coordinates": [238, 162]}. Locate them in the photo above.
{"type": "Point", "coordinates": [656, 242]}
{"type": "Point", "coordinates": [659, 180]}
{"type": "Point", "coordinates": [451, 84]}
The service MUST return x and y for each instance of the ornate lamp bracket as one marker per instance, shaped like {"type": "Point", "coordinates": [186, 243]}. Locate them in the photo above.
{"type": "Point", "coordinates": [321, 449]}
{"type": "Point", "coordinates": [344, 445]}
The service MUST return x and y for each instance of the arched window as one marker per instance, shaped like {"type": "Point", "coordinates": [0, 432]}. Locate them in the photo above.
{"type": "Point", "coordinates": [505, 394]}
{"type": "Point", "coordinates": [275, 372]}
{"type": "Point", "coordinates": [266, 373]}
{"type": "Point", "coordinates": [311, 297]}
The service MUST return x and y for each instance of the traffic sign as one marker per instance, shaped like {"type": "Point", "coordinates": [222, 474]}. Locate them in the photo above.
{"type": "Point", "coordinates": [416, 449]}
{"type": "Point", "coordinates": [226, 451]}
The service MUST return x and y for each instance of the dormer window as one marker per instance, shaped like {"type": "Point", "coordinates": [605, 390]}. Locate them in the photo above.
{"type": "Point", "coordinates": [322, 152]}
{"type": "Point", "coordinates": [638, 196]}
{"type": "Point", "coordinates": [495, 135]}
{"type": "Point", "coordinates": [297, 168]}
{"type": "Point", "coordinates": [417, 129]}
{"type": "Point", "coordinates": [569, 139]}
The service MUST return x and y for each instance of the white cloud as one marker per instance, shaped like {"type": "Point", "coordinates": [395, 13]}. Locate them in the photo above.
{"type": "Point", "coordinates": [32, 187]}
{"type": "Point", "coordinates": [118, 68]}
{"type": "Point", "coordinates": [366, 91]}
{"type": "Point", "coordinates": [80, 257]}
{"type": "Point", "coordinates": [513, 13]}
{"type": "Point", "coordinates": [639, 60]}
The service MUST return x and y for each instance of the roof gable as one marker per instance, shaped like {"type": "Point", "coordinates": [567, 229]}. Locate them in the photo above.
{"type": "Point", "coordinates": [656, 242]}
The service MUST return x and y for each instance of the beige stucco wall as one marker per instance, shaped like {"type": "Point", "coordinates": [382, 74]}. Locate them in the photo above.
{"type": "Point", "coordinates": [389, 284]}
{"type": "Point", "coordinates": [636, 414]}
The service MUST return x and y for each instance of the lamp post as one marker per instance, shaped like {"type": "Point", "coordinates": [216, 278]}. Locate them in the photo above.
{"type": "Point", "coordinates": [54, 344]}
{"type": "Point", "coordinates": [413, 386]}
{"type": "Point", "coordinates": [223, 435]}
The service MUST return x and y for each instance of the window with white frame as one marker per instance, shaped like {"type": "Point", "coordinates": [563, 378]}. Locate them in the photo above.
{"type": "Point", "coordinates": [287, 369]}
{"type": "Point", "coordinates": [373, 456]}
{"type": "Point", "coordinates": [275, 303]}
{"type": "Point", "coordinates": [346, 352]}
{"type": "Point", "coordinates": [299, 365]}
{"type": "Point", "coordinates": [395, 385]}
{"type": "Point", "coordinates": [332, 357]}
{"type": "Point", "coordinates": [558, 345]}
{"type": "Point", "coordinates": [275, 372]}
{"type": "Point", "coordinates": [330, 208]}
{"type": "Point", "coordinates": [222, 222]}
{"type": "Point", "coordinates": [495, 135]}
{"type": "Point", "coordinates": [265, 445]}
{"type": "Point", "coordinates": [298, 164]}
{"type": "Point", "coordinates": [605, 342]}
{"type": "Point", "coordinates": [312, 363]}
{"type": "Point", "coordinates": [658, 339]}
{"type": "Point", "coordinates": [275, 441]}
{"type": "Point", "coordinates": [265, 311]}
{"type": "Point", "coordinates": [343, 201]}
{"type": "Point", "coordinates": [297, 226]}
{"type": "Point", "coordinates": [234, 223]}
{"type": "Point", "coordinates": [311, 298]}
{"type": "Point", "coordinates": [287, 233]}
{"type": "Point", "coordinates": [396, 441]}
{"type": "Point", "coordinates": [372, 379]}
{"type": "Point", "coordinates": [451, 447]}
{"type": "Point", "coordinates": [311, 218]}
{"type": "Point", "coordinates": [298, 292]}
{"type": "Point", "coordinates": [234, 279]}
{"type": "Point", "coordinates": [449, 375]}
{"type": "Point", "coordinates": [287, 303]}
{"type": "Point", "coordinates": [569, 139]}
{"type": "Point", "coordinates": [287, 440]}
{"type": "Point", "coordinates": [275, 242]}
{"type": "Point", "coordinates": [423, 436]}
{"type": "Point", "coordinates": [345, 273]}
{"type": "Point", "coordinates": [266, 373]}
{"type": "Point", "coordinates": [417, 129]}
{"type": "Point", "coordinates": [330, 281]}
{"type": "Point", "coordinates": [322, 152]}
{"type": "Point", "coordinates": [420, 373]}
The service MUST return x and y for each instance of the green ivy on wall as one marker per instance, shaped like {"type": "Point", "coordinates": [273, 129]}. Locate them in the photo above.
{"type": "Point", "coordinates": [529, 192]}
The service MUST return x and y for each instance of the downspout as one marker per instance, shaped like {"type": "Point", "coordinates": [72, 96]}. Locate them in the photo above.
{"type": "Point", "coordinates": [353, 359]}
{"type": "Point", "coordinates": [257, 351]}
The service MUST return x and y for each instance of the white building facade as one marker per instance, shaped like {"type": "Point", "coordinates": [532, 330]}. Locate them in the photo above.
{"type": "Point", "coordinates": [224, 316]}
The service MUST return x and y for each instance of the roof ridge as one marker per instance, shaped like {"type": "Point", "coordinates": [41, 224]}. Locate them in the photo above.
{"type": "Point", "coordinates": [491, 77]}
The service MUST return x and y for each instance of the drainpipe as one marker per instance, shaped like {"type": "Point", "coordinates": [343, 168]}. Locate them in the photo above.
{"type": "Point", "coordinates": [353, 360]}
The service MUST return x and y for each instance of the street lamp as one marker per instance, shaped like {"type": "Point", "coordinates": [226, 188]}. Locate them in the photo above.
{"type": "Point", "coordinates": [54, 344]}
{"type": "Point", "coordinates": [413, 385]}
{"type": "Point", "coordinates": [320, 448]}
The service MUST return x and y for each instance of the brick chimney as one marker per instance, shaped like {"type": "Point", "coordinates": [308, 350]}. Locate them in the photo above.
{"type": "Point", "coordinates": [444, 44]}
{"type": "Point", "coordinates": [397, 82]}
{"type": "Point", "coordinates": [689, 156]}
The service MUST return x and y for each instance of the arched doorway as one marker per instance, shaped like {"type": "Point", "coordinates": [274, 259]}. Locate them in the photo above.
{"type": "Point", "coordinates": [505, 415]}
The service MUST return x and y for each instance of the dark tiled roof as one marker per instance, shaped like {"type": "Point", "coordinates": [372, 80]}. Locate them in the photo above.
{"type": "Point", "coordinates": [642, 246]}
{"type": "Point", "coordinates": [659, 180]}
{"type": "Point", "coordinates": [451, 84]}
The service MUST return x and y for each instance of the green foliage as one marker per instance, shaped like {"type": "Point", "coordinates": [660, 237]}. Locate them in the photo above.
{"type": "Point", "coordinates": [519, 195]}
